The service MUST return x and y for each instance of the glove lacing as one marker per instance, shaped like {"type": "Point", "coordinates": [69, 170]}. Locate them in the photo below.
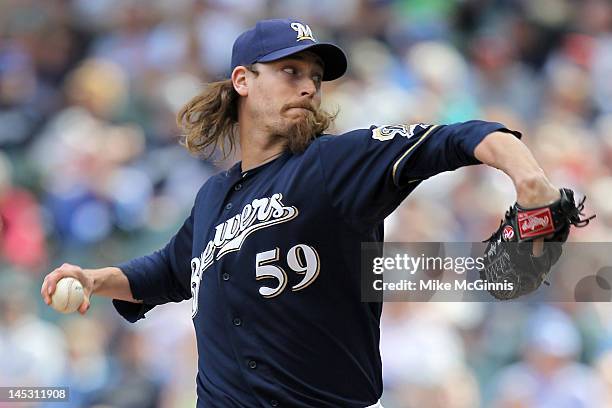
{"type": "Point", "coordinates": [576, 213]}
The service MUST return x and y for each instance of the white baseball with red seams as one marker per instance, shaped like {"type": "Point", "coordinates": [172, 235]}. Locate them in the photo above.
{"type": "Point", "coordinates": [68, 295]}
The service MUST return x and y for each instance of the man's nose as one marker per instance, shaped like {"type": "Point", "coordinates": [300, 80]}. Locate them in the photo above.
{"type": "Point", "coordinates": [308, 87]}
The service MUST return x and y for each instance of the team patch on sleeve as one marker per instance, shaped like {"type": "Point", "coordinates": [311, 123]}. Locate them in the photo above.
{"type": "Point", "coordinates": [388, 132]}
{"type": "Point", "coordinates": [430, 129]}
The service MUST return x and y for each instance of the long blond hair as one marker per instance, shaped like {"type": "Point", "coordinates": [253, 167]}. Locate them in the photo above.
{"type": "Point", "coordinates": [209, 120]}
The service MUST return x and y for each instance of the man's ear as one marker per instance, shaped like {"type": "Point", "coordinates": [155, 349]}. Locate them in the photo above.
{"type": "Point", "coordinates": [240, 80]}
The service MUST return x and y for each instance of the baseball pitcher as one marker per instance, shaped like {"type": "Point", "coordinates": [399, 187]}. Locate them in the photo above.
{"type": "Point", "coordinates": [270, 255]}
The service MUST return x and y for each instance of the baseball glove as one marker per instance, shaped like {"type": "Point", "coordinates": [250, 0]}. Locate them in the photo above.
{"type": "Point", "coordinates": [508, 256]}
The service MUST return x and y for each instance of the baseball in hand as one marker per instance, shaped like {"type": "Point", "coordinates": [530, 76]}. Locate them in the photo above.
{"type": "Point", "coordinates": [68, 295]}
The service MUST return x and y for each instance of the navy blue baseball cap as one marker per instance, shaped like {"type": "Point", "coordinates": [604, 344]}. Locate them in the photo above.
{"type": "Point", "coordinates": [271, 40]}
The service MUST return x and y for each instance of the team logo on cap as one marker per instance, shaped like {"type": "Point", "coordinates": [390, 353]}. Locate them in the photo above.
{"type": "Point", "coordinates": [303, 31]}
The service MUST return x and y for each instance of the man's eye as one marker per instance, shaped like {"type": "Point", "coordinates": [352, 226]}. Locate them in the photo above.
{"type": "Point", "coordinates": [290, 71]}
{"type": "Point", "coordinates": [317, 78]}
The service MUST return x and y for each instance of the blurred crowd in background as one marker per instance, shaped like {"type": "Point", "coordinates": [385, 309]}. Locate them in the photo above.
{"type": "Point", "coordinates": [91, 173]}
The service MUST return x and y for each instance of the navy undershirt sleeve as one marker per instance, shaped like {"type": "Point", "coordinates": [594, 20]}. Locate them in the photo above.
{"type": "Point", "coordinates": [161, 277]}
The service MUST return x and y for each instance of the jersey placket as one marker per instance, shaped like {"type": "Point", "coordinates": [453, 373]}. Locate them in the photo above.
{"type": "Point", "coordinates": [237, 326]}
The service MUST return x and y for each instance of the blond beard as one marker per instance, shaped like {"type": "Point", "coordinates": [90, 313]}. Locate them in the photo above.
{"type": "Point", "coordinates": [301, 133]}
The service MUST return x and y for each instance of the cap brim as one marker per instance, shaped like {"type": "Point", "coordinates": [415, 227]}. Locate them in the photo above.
{"type": "Point", "coordinates": [333, 57]}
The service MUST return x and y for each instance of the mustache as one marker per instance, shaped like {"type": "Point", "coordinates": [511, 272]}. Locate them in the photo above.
{"type": "Point", "coordinates": [304, 105]}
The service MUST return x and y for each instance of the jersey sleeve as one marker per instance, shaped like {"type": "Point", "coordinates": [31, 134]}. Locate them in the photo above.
{"type": "Point", "coordinates": [161, 277]}
{"type": "Point", "coordinates": [368, 172]}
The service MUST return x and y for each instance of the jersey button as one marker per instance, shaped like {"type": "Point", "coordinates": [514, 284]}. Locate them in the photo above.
{"type": "Point", "coordinates": [237, 322]}
{"type": "Point", "coordinates": [237, 187]}
{"type": "Point", "coordinates": [252, 364]}
{"type": "Point", "coordinates": [228, 206]}
{"type": "Point", "coordinates": [274, 403]}
{"type": "Point", "coordinates": [225, 276]}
